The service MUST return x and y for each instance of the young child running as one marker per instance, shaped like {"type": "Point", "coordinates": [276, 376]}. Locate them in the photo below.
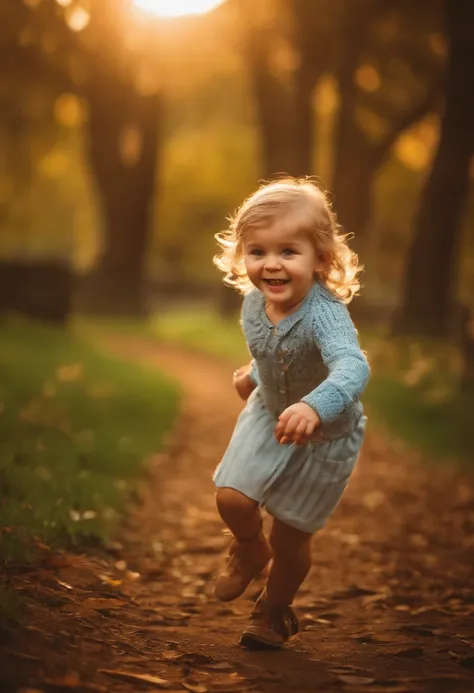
{"type": "Point", "coordinates": [297, 440]}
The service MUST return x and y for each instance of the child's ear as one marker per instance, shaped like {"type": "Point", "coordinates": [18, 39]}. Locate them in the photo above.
{"type": "Point", "coordinates": [322, 261]}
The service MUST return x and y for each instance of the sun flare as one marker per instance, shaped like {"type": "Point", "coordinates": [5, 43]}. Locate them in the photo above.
{"type": "Point", "coordinates": [176, 8]}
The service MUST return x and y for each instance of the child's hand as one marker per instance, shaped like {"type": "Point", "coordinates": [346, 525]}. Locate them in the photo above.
{"type": "Point", "coordinates": [296, 424]}
{"type": "Point", "coordinates": [242, 382]}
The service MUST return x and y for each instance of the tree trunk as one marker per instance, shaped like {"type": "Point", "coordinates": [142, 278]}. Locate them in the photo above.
{"type": "Point", "coordinates": [352, 186]}
{"type": "Point", "coordinates": [124, 148]}
{"type": "Point", "coordinates": [303, 121]}
{"type": "Point", "coordinates": [355, 159]}
{"type": "Point", "coordinates": [272, 103]}
{"type": "Point", "coordinates": [429, 291]}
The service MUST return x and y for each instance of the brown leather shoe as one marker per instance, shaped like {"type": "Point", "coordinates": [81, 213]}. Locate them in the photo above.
{"type": "Point", "coordinates": [248, 559]}
{"type": "Point", "coordinates": [270, 626]}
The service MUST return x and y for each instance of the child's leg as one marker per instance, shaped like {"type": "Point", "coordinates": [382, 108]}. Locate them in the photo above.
{"type": "Point", "coordinates": [240, 513]}
{"type": "Point", "coordinates": [291, 562]}
{"type": "Point", "coordinates": [273, 621]}
{"type": "Point", "coordinates": [250, 551]}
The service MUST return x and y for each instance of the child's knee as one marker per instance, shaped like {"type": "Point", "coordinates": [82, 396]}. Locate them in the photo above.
{"type": "Point", "coordinates": [286, 540]}
{"type": "Point", "coordinates": [230, 500]}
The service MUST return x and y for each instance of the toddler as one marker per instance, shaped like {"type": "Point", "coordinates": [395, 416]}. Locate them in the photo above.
{"type": "Point", "coordinates": [298, 437]}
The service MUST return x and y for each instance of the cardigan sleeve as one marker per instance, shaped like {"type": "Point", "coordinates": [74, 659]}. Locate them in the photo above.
{"type": "Point", "coordinates": [348, 369]}
{"type": "Point", "coordinates": [247, 306]}
{"type": "Point", "coordinates": [253, 373]}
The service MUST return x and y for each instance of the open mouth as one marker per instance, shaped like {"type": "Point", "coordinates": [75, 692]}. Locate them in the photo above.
{"type": "Point", "coordinates": [276, 282]}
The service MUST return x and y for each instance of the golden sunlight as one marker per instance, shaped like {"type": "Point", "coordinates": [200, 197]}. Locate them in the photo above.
{"type": "Point", "coordinates": [177, 8]}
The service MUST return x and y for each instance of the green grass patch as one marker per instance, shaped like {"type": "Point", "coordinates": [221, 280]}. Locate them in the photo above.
{"type": "Point", "coordinates": [440, 429]}
{"type": "Point", "coordinates": [202, 330]}
{"type": "Point", "coordinates": [413, 393]}
{"type": "Point", "coordinates": [75, 429]}
{"type": "Point", "coordinates": [198, 329]}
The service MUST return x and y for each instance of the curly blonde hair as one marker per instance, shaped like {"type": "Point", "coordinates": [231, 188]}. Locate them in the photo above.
{"type": "Point", "coordinates": [302, 206]}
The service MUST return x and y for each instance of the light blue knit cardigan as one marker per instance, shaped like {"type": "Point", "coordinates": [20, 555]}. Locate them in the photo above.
{"type": "Point", "coordinates": [312, 356]}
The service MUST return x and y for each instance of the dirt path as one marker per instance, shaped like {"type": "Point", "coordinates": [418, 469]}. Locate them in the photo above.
{"type": "Point", "coordinates": [389, 605]}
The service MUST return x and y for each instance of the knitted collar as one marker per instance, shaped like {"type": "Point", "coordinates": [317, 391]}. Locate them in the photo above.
{"type": "Point", "coordinates": [284, 326]}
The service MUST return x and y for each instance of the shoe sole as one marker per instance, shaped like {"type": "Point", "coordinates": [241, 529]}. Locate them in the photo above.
{"type": "Point", "coordinates": [255, 638]}
{"type": "Point", "coordinates": [251, 642]}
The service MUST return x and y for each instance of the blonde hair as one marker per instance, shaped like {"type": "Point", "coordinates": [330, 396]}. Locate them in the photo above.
{"type": "Point", "coordinates": [303, 206]}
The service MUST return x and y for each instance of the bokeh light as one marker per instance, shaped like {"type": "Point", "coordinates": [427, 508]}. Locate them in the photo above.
{"type": "Point", "coordinates": [177, 8]}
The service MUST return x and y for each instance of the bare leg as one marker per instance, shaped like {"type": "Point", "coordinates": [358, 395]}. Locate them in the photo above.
{"type": "Point", "coordinates": [249, 553]}
{"type": "Point", "coordinates": [291, 563]}
{"type": "Point", "coordinates": [273, 622]}
{"type": "Point", "coordinates": [240, 513]}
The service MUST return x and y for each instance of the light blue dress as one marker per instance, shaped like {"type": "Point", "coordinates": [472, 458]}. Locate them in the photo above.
{"type": "Point", "coordinates": [313, 355]}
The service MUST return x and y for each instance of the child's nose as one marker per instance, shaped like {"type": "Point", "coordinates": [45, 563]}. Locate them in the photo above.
{"type": "Point", "coordinates": [272, 262]}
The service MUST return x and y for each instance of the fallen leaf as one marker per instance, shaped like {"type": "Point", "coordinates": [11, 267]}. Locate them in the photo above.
{"type": "Point", "coordinates": [130, 676]}
{"type": "Point", "coordinates": [110, 581]}
{"type": "Point", "coordinates": [346, 670]}
{"type": "Point", "coordinates": [433, 609]}
{"type": "Point", "coordinates": [410, 652]}
{"type": "Point", "coordinates": [194, 686]}
{"type": "Point", "coordinates": [375, 598]}
{"type": "Point", "coordinates": [423, 631]}
{"type": "Point", "coordinates": [170, 654]}
{"type": "Point", "coordinates": [191, 658]}
{"type": "Point", "coordinates": [176, 617]}
{"type": "Point", "coordinates": [465, 642]}
{"type": "Point", "coordinates": [22, 655]}
{"type": "Point", "coordinates": [35, 629]}
{"type": "Point", "coordinates": [354, 680]}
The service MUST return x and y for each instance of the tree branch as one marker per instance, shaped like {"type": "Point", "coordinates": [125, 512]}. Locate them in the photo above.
{"type": "Point", "coordinates": [408, 118]}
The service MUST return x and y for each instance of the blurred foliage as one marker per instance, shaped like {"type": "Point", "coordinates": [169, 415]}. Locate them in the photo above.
{"type": "Point", "coordinates": [212, 147]}
{"type": "Point", "coordinates": [413, 394]}
{"type": "Point", "coordinates": [75, 427]}
{"type": "Point", "coordinates": [202, 330]}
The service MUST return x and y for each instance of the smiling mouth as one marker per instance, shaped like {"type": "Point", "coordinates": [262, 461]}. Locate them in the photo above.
{"type": "Point", "coordinates": [276, 282]}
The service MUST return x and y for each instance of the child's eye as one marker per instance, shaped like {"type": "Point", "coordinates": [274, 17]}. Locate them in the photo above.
{"type": "Point", "coordinates": [288, 252]}
{"type": "Point", "coordinates": [256, 252]}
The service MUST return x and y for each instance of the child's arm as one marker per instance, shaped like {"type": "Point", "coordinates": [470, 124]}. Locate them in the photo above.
{"type": "Point", "coordinates": [245, 380]}
{"type": "Point", "coordinates": [349, 371]}
{"type": "Point", "coordinates": [336, 337]}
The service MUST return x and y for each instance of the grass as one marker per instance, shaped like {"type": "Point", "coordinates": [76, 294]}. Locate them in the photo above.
{"type": "Point", "coordinates": [412, 395]}
{"type": "Point", "coordinates": [202, 330]}
{"type": "Point", "coordinates": [75, 428]}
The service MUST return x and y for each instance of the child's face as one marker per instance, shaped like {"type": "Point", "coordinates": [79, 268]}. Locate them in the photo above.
{"type": "Point", "coordinates": [281, 263]}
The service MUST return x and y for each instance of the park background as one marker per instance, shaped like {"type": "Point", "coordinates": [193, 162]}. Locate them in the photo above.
{"type": "Point", "coordinates": [127, 139]}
